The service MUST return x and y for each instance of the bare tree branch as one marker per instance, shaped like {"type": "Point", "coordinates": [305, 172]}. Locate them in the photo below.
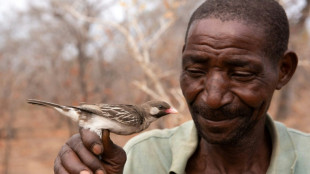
{"type": "Point", "coordinates": [146, 89]}
{"type": "Point", "coordinates": [142, 57]}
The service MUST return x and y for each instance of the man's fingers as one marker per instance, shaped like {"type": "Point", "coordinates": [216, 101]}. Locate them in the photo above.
{"type": "Point", "coordinates": [86, 157]}
{"type": "Point", "coordinates": [110, 149]}
{"type": "Point", "coordinates": [61, 170]}
{"type": "Point", "coordinates": [71, 162]}
{"type": "Point", "coordinates": [58, 168]}
{"type": "Point", "coordinates": [78, 154]}
{"type": "Point", "coordinates": [91, 141]}
{"type": "Point", "coordinates": [106, 141]}
{"type": "Point", "coordinates": [112, 154]}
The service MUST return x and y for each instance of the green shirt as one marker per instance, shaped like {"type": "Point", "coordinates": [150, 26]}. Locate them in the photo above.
{"type": "Point", "coordinates": [167, 151]}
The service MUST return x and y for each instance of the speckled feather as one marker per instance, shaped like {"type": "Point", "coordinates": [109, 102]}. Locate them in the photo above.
{"type": "Point", "coordinates": [126, 114]}
{"type": "Point", "coordinates": [121, 119]}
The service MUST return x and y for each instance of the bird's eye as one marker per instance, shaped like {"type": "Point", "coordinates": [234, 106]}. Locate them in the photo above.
{"type": "Point", "coordinates": [160, 107]}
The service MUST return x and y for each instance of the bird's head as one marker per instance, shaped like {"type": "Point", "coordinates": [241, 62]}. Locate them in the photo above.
{"type": "Point", "coordinates": [157, 108]}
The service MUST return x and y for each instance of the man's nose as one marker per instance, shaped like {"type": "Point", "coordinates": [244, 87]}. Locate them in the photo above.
{"type": "Point", "coordinates": [217, 93]}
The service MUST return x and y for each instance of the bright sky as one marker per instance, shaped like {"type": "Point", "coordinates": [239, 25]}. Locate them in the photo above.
{"type": "Point", "coordinates": [9, 6]}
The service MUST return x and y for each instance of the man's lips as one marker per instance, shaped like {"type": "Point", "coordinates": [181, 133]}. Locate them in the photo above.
{"type": "Point", "coordinates": [217, 118]}
{"type": "Point", "coordinates": [220, 123]}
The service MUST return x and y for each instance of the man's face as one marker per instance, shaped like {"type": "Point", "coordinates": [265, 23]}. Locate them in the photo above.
{"type": "Point", "coordinates": [226, 79]}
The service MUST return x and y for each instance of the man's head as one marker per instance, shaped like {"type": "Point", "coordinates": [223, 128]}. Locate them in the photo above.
{"type": "Point", "coordinates": [229, 74]}
{"type": "Point", "coordinates": [266, 15]}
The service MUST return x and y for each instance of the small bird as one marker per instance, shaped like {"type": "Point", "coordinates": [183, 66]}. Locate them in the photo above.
{"type": "Point", "coordinates": [121, 119]}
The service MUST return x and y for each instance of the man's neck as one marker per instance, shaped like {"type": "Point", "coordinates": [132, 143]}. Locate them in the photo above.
{"type": "Point", "coordinates": [250, 155]}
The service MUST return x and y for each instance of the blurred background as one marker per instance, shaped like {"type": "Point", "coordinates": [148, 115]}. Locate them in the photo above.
{"type": "Point", "coordinates": [109, 51]}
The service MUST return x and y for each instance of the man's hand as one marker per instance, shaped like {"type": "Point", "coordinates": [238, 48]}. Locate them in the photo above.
{"type": "Point", "coordinates": [85, 153]}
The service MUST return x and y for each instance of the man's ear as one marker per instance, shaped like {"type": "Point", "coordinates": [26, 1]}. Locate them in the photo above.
{"type": "Point", "coordinates": [286, 66]}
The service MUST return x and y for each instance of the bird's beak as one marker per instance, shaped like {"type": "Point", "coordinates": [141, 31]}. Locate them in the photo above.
{"type": "Point", "coordinates": [171, 111]}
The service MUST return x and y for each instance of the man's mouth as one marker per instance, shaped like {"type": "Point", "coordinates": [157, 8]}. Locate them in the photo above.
{"type": "Point", "coordinates": [224, 114]}
{"type": "Point", "coordinates": [221, 123]}
{"type": "Point", "coordinates": [217, 117]}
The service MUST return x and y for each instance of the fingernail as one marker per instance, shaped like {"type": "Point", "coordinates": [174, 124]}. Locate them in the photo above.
{"type": "Point", "coordinates": [97, 149]}
{"type": "Point", "coordinates": [84, 172]}
{"type": "Point", "coordinates": [99, 172]}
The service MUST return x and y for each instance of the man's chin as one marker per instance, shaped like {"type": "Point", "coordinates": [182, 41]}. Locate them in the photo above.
{"type": "Point", "coordinates": [223, 132]}
{"type": "Point", "coordinates": [217, 140]}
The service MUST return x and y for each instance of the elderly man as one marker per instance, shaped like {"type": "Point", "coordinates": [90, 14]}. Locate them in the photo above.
{"type": "Point", "coordinates": [234, 57]}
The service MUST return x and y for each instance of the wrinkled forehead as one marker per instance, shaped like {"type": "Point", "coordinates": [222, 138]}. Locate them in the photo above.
{"type": "Point", "coordinates": [225, 33]}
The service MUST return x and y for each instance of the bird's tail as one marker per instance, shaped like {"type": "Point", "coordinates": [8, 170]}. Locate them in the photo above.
{"type": "Point", "coordinates": [68, 111]}
{"type": "Point", "coordinates": [44, 103]}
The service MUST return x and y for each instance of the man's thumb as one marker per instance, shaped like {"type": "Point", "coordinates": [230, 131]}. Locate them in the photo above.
{"type": "Point", "coordinates": [109, 148]}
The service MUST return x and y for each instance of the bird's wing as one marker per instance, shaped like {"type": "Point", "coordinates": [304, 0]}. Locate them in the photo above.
{"type": "Point", "coordinates": [93, 109]}
{"type": "Point", "coordinates": [125, 114]}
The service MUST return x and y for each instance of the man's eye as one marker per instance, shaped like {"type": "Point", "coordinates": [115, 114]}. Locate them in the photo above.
{"type": "Point", "coordinates": [195, 72]}
{"type": "Point", "coordinates": [243, 76]}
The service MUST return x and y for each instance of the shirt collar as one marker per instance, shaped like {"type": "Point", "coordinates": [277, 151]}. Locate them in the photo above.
{"type": "Point", "coordinates": [283, 158]}
{"type": "Point", "coordinates": [183, 144]}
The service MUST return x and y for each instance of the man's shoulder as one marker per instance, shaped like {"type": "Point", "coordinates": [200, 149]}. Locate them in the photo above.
{"type": "Point", "coordinates": [156, 150]}
{"type": "Point", "coordinates": [156, 136]}
{"type": "Point", "coordinates": [300, 145]}
{"type": "Point", "coordinates": [296, 135]}
{"type": "Point", "coordinates": [301, 140]}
